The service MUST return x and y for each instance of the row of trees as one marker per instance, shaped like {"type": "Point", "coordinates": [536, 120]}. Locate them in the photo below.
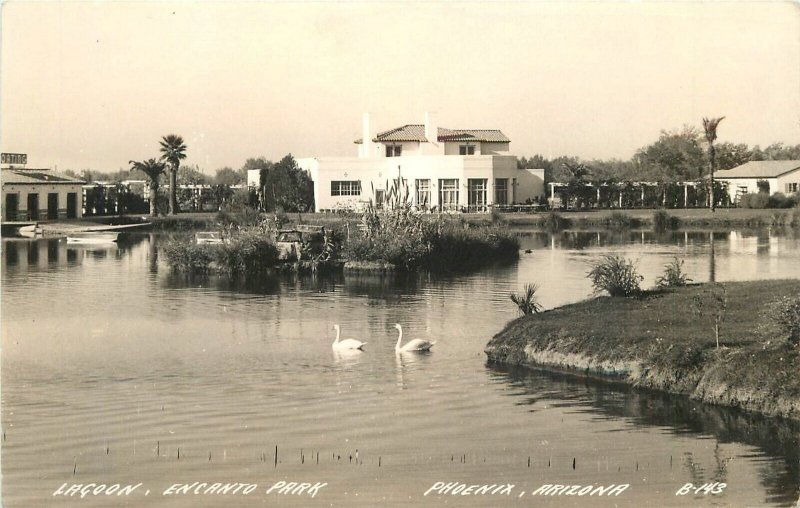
{"type": "Point", "coordinates": [282, 185]}
{"type": "Point", "coordinates": [677, 156]}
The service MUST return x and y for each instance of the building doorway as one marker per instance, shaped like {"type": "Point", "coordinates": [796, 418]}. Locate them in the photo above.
{"type": "Point", "coordinates": [12, 206]}
{"type": "Point", "coordinates": [448, 194]}
{"type": "Point", "coordinates": [33, 206]}
{"type": "Point", "coordinates": [72, 205]}
{"type": "Point", "coordinates": [477, 194]}
{"type": "Point", "coordinates": [52, 205]}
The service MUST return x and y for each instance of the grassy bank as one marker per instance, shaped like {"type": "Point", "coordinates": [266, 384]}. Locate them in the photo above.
{"type": "Point", "coordinates": [658, 342]}
{"type": "Point", "coordinates": [589, 219]}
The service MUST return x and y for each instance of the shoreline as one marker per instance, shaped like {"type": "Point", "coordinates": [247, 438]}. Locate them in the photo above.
{"type": "Point", "coordinates": [678, 219]}
{"type": "Point", "coordinates": [752, 370]}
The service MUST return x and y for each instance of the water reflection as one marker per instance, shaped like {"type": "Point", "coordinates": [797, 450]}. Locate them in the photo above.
{"type": "Point", "coordinates": [49, 253]}
{"type": "Point", "coordinates": [760, 240]}
{"type": "Point", "coordinates": [677, 415]}
{"type": "Point", "coordinates": [347, 357]}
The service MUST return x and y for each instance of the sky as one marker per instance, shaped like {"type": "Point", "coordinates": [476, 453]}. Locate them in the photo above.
{"type": "Point", "coordinates": [93, 85]}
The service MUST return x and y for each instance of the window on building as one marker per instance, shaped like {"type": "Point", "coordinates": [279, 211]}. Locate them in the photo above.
{"type": "Point", "coordinates": [394, 150]}
{"type": "Point", "coordinates": [345, 188]}
{"type": "Point", "coordinates": [501, 191]}
{"type": "Point", "coordinates": [448, 194]}
{"type": "Point", "coordinates": [476, 198]}
{"type": "Point", "coordinates": [466, 150]}
{"type": "Point", "coordinates": [423, 193]}
{"type": "Point", "coordinates": [792, 187]}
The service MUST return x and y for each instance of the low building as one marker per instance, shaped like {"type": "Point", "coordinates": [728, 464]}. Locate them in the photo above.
{"type": "Point", "coordinates": [761, 176]}
{"type": "Point", "coordinates": [39, 195]}
{"type": "Point", "coordinates": [438, 169]}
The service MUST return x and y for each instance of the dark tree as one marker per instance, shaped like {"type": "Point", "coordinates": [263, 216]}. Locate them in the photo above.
{"type": "Point", "coordinates": [153, 169]}
{"type": "Point", "coordinates": [710, 128]}
{"type": "Point", "coordinates": [173, 150]}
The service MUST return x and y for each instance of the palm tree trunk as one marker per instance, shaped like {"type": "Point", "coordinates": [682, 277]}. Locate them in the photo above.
{"type": "Point", "coordinates": [712, 155]}
{"type": "Point", "coordinates": [153, 198]}
{"type": "Point", "coordinates": [173, 189]}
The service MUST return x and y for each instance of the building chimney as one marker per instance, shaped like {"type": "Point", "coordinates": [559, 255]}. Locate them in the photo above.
{"type": "Point", "coordinates": [366, 137]}
{"type": "Point", "coordinates": [431, 128]}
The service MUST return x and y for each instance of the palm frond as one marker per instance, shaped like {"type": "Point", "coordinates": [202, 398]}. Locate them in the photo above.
{"type": "Point", "coordinates": [710, 127]}
{"type": "Point", "coordinates": [526, 301]}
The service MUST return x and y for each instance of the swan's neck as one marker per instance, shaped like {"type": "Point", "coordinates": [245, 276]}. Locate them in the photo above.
{"type": "Point", "coordinates": [399, 338]}
{"type": "Point", "coordinates": [337, 335]}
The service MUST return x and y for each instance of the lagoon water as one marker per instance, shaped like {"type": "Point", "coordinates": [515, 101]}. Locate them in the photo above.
{"type": "Point", "coordinates": [115, 371]}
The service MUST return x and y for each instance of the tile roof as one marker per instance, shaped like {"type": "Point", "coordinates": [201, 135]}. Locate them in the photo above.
{"type": "Point", "coordinates": [36, 176]}
{"type": "Point", "coordinates": [759, 169]}
{"type": "Point", "coordinates": [484, 135]}
{"type": "Point", "coordinates": [416, 132]}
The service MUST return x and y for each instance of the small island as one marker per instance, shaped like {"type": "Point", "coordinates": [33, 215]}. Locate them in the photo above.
{"type": "Point", "coordinates": [665, 339]}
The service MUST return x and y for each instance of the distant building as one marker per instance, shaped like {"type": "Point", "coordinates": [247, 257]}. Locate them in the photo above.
{"type": "Point", "coordinates": [39, 194]}
{"type": "Point", "coordinates": [442, 169]}
{"type": "Point", "coordinates": [780, 176]}
{"type": "Point", "coordinates": [253, 178]}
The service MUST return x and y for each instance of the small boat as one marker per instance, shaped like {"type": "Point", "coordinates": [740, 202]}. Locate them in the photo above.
{"type": "Point", "coordinates": [208, 238]}
{"type": "Point", "coordinates": [30, 231]}
{"type": "Point", "coordinates": [120, 227]}
{"type": "Point", "coordinates": [91, 237]}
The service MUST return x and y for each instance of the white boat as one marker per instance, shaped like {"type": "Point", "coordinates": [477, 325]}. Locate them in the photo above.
{"type": "Point", "coordinates": [91, 237]}
{"type": "Point", "coordinates": [121, 227]}
{"type": "Point", "coordinates": [30, 231]}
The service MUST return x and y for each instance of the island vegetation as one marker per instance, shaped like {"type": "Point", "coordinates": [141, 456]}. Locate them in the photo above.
{"type": "Point", "coordinates": [735, 344]}
{"type": "Point", "coordinates": [388, 240]}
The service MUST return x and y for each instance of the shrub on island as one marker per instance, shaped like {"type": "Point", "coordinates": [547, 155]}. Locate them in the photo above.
{"type": "Point", "coordinates": [410, 241]}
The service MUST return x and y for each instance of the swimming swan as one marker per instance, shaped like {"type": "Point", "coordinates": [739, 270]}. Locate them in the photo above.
{"type": "Point", "coordinates": [412, 345]}
{"type": "Point", "coordinates": [346, 343]}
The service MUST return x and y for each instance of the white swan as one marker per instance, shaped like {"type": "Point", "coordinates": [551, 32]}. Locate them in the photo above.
{"type": "Point", "coordinates": [412, 345]}
{"type": "Point", "coordinates": [346, 343]}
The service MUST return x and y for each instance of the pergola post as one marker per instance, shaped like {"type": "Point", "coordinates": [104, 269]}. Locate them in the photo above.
{"type": "Point", "coordinates": [685, 195]}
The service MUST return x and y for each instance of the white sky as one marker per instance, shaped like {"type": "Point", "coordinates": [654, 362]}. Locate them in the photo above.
{"type": "Point", "coordinates": [94, 84]}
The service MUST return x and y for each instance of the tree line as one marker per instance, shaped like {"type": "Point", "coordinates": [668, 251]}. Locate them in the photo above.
{"type": "Point", "coordinates": [677, 155]}
{"type": "Point", "coordinates": [282, 185]}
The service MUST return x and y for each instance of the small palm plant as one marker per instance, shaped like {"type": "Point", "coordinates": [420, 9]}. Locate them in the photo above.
{"type": "Point", "coordinates": [526, 301]}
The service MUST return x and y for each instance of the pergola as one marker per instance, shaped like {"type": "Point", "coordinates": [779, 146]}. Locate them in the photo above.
{"type": "Point", "coordinates": [641, 185]}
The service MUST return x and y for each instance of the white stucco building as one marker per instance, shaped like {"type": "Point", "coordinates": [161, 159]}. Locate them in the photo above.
{"type": "Point", "coordinates": [781, 176]}
{"type": "Point", "coordinates": [443, 170]}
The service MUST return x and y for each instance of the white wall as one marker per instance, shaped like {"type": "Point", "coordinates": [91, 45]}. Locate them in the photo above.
{"type": "Point", "coordinates": [751, 184]}
{"type": "Point", "coordinates": [377, 173]}
{"type": "Point", "coordinates": [793, 177]}
{"type": "Point", "coordinates": [253, 177]}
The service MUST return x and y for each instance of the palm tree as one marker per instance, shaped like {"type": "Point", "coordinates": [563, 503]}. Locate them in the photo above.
{"type": "Point", "coordinates": [172, 151]}
{"type": "Point", "coordinates": [153, 169]}
{"type": "Point", "coordinates": [527, 301]}
{"type": "Point", "coordinates": [710, 126]}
